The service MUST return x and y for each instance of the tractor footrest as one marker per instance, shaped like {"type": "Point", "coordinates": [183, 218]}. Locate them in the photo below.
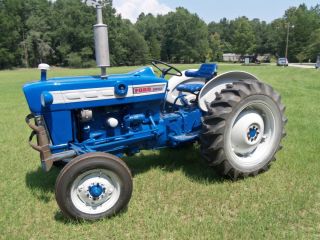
{"type": "Point", "coordinates": [188, 137]}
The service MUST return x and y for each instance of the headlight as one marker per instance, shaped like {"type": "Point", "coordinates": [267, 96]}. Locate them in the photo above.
{"type": "Point", "coordinates": [46, 99]}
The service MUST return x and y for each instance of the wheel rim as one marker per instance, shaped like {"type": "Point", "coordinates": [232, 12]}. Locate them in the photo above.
{"type": "Point", "coordinates": [95, 191]}
{"type": "Point", "coordinates": [252, 136]}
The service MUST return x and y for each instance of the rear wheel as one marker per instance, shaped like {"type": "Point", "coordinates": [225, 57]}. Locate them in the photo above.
{"type": "Point", "coordinates": [93, 186]}
{"type": "Point", "coordinates": [243, 129]}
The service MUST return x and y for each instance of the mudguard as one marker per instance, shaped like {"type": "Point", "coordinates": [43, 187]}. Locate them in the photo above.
{"type": "Point", "coordinates": [208, 92]}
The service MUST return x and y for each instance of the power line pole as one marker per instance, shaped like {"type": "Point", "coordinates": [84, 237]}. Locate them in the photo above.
{"type": "Point", "coordinates": [288, 33]}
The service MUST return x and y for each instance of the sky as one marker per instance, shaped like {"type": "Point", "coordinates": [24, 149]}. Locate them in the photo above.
{"type": "Point", "coordinates": [211, 10]}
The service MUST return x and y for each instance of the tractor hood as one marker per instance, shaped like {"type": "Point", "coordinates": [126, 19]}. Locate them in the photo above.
{"type": "Point", "coordinates": [57, 94]}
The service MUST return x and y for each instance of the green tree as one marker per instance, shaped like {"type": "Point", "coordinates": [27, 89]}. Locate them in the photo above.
{"type": "Point", "coordinates": [151, 29]}
{"type": "Point", "coordinates": [71, 24]}
{"type": "Point", "coordinates": [301, 57]}
{"type": "Point", "coordinates": [36, 49]}
{"type": "Point", "coordinates": [10, 29]}
{"type": "Point", "coordinates": [313, 47]}
{"type": "Point", "coordinates": [224, 29]}
{"type": "Point", "coordinates": [60, 32]}
{"type": "Point", "coordinates": [276, 36]}
{"type": "Point", "coordinates": [216, 47]}
{"type": "Point", "coordinates": [138, 51]}
{"type": "Point", "coordinates": [260, 29]}
{"type": "Point", "coordinates": [244, 38]}
{"type": "Point", "coordinates": [305, 22]}
{"type": "Point", "coordinates": [155, 48]}
{"type": "Point", "coordinates": [185, 37]}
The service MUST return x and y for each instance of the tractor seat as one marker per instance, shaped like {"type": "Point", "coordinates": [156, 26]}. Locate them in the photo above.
{"type": "Point", "coordinates": [190, 88]}
{"type": "Point", "coordinates": [207, 71]}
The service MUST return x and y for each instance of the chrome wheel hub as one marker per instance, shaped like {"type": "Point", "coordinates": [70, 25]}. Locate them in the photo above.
{"type": "Point", "coordinates": [246, 132]}
{"type": "Point", "coordinates": [253, 134]}
{"type": "Point", "coordinates": [96, 191]}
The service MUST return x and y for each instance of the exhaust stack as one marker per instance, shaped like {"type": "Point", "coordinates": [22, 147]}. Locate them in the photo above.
{"type": "Point", "coordinates": [101, 43]}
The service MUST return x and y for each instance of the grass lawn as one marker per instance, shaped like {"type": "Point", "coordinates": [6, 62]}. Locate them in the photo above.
{"type": "Point", "coordinates": [175, 195]}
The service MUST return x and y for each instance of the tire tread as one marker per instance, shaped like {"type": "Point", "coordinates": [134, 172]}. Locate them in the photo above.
{"type": "Point", "coordinates": [214, 125]}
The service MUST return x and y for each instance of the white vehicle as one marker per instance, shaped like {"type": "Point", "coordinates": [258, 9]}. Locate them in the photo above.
{"type": "Point", "coordinates": [283, 62]}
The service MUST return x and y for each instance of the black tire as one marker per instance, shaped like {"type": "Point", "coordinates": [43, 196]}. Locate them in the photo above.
{"type": "Point", "coordinates": [90, 162]}
{"type": "Point", "coordinates": [216, 123]}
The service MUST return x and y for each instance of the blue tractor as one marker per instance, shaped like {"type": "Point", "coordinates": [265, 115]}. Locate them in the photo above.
{"type": "Point", "coordinates": [90, 122]}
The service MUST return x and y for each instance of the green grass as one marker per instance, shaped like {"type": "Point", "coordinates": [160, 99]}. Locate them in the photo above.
{"type": "Point", "coordinates": [175, 196]}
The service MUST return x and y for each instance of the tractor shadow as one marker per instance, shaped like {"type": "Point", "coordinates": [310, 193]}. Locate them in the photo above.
{"type": "Point", "coordinates": [185, 159]}
{"type": "Point", "coordinates": [42, 184]}
{"type": "Point", "coordinates": [59, 217]}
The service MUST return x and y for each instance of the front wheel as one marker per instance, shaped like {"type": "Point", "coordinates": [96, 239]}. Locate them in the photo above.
{"type": "Point", "coordinates": [93, 186]}
{"type": "Point", "coordinates": [243, 129]}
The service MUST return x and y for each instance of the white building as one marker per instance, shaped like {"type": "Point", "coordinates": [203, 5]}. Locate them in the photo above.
{"type": "Point", "coordinates": [231, 57]}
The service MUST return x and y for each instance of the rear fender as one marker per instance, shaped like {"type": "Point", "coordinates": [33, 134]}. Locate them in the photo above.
{"type": "Point", "coordinates": [208, 92]}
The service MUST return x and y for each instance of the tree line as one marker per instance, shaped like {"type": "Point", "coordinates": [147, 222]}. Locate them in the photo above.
{"type": "Point", "coordinates": [60, 33]}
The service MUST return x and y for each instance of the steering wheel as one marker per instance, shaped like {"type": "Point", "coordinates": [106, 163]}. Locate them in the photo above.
{"type": "Point", "coordinates": [166, 71]}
